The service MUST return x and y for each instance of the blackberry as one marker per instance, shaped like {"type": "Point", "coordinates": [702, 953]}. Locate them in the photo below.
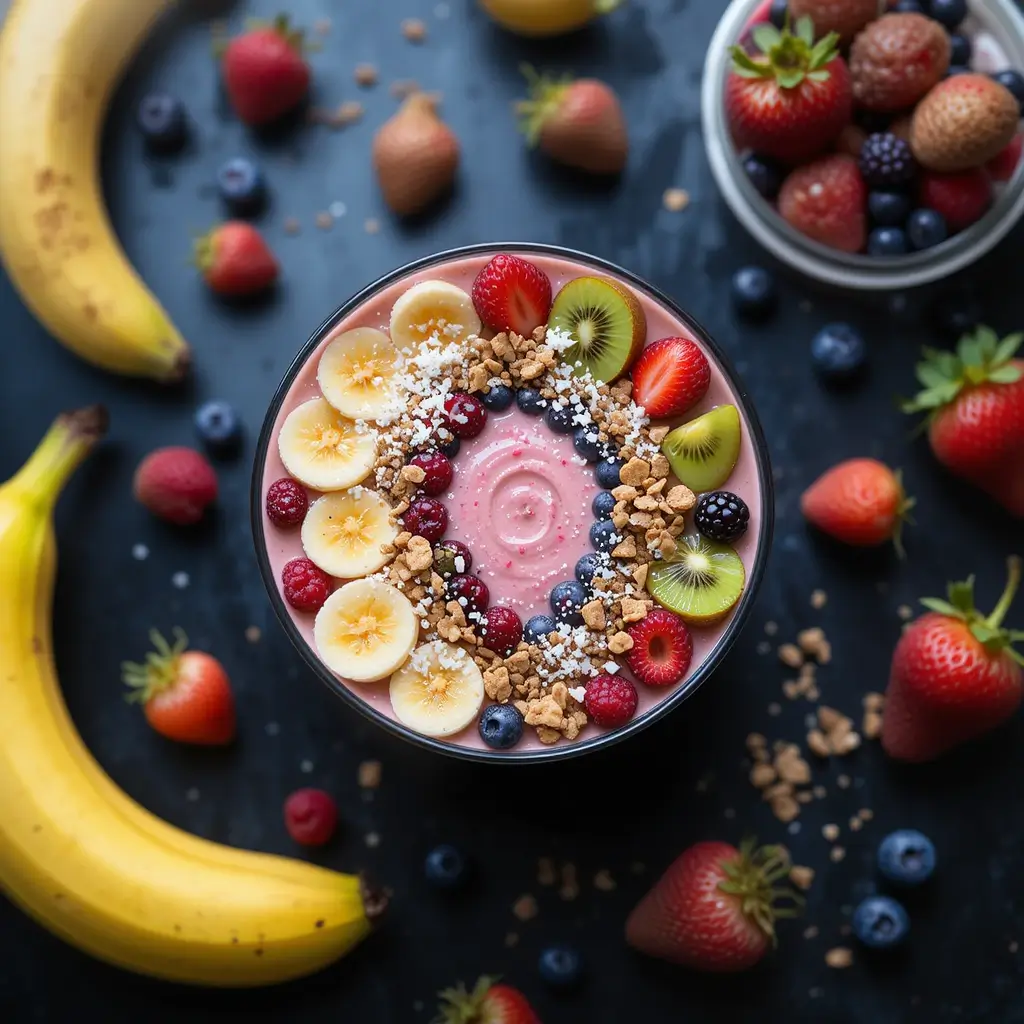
{"type": "Point", "coordinates": [722, 516]}
{"type": "Point", "coordinates": [885, 160]}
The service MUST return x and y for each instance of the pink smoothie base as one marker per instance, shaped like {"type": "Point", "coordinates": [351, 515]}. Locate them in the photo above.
{"type": "Point", "coordinates": [528, 598]}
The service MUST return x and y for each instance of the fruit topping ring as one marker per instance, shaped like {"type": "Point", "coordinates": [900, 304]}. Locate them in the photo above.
{"type": "Point", "coordinates": [441, 428]}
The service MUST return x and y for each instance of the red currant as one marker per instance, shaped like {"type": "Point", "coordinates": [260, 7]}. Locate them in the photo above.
{"type": "Point", "coordinates": [466, 415]}
{"type": "Point", "coordinates": [306, 586]}
{"type": "Point", "coordinates": [287, 502]}
{"type": "Point", "coordinates": [311, 816]}
{"type": "Point", "coordinates": [437, 470]}
{"type": "Point", "coordinates": [470, 591]}
{"type": "Point", "coordinates": [501, 630]}
{"type": "Point", "coordinates": [426, 517]}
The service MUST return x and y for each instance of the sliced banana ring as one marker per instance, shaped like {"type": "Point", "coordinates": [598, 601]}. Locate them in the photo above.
{"type": "Point", "coordinates": [439, 691]}
{"type": "Point", "coordinates": [325, 450]}
{"type": "Point", "coordinates": [357, 374]}
{"type": "Point", "coordinates": [365, 630]}
{"type": "Point", "coordinates": [343, 532]}
{"type": "Point", "coordinates": [433, 309]}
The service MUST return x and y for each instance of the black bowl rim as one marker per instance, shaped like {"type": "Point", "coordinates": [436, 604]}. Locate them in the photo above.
{"type": "Point", "coordinates": [560, 751]}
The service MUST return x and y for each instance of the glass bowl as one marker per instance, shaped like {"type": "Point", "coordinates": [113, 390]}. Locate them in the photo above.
{"type": "Point", "coordinates": [379, 710]}
{"type": "Point", "coordinates": [1004, 22]}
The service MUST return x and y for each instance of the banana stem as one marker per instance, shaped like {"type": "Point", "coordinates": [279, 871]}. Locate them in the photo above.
{"type": "Point", "coordinates": [995, 620]}
{"type": "Point", "coordinates": [70, 438]}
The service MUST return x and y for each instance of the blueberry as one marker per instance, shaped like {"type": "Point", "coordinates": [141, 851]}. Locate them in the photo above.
{"type": "Point", "coordinates": [1014, 81]}
{"type": "Point", "coordinates": [909, 6]}
{"type": "Point", "coordinates": [445, 866]}
{"type": "Point", "coordinates": [607, 473]}
{"type": "Point", "coordinates": [162, 122]}
{"type": "Point", "coordinates": [764, 175]}
{"type": "Point", "coordinates": [240, 183]}
{"type": "Point", "coordinates": [560, 967]}
{"type": "Point", "coordinates": [906, 857]}
{"type": "Point", "coordinates": [587, 567]}
{"type": "Point", "coordinates": [960, 50]}
{"type": "Point", "coordinates": [499, 398]}
{"type": "Point", "coordinates": [948, 12]}
{"type": "Point", "coordinates": [926, 228]}
{"type": "Point", "coordinates": [448, 443]}
{"type": "Point", "coordinates": [501, 726]}
{"type": "Point", "coordinates": [604, 535]}
{"type": "Point", "coordinates": [753, 292]}
{"type": "Point", "coordinates": [219, 426]}
{"type": "Point", "coordinates": [888, 242]}
{"type": "Point", "coordinates": [566, 601]}
{"type": "Point", "coordinates": [838, 351]}
{"type": "Point", "coordinates": [880, 922]}
{"type": "Point", "coordinates": [889, 209]}
{"type": "Point", "coordinates": [530, 401]}
{"type": "Point", "coordinates": [560, 418]}
{"type": "Point", "coordinates": [584, 440]}
{"type": "Point", "coordinates": [603, 505]}
{"type": "Point", "coordinates": [539, 627]}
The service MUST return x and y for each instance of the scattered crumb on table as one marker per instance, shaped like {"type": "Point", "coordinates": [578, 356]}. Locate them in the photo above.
{"type": "Point", "coordinates": [414, 30]}
{"type": "Point", "coordinates": [292, 226]}
{"type": "Point", "coordinates": [372, 226]}
{"type": "Point", "coordinates": [839, 957]}
{"type": "Point", "coordinates": [546, 873]}
{"type": "Point", "coordinates": [675, 199]}
{"type": "Point", "coordinates": [253, 634]}
{"type": "Point", "coordinates": [369, 774]}
{"type": "Point", "coordinates": [324, 221]}
{"type": "Point", "coordinates": [603, 881]}
{"type": "Point", "coordinates": [525, 908]}
{"type": "Point", "coordinates": [372, 840]}
{"type": "Point", "coordinates": [365, 75]}
{"type": "Point", "coordinates": [819, 599]}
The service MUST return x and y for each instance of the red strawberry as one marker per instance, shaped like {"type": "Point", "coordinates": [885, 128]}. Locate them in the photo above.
{"type": "Point", "coordinates": [844, 17]}
{"type": "Point", "coordinates": [896, 60]}
{"type": "Point", "coordinates": [187, 695]}
{"type": "Point", "coordinates": [488, 1003]}
{"type": "Point", "coordinates": [826, 200]}
{"type": "Point", "coordinates": [579, 124]}
{"type": "Point", "coordinates": [671, 376]}
{"type": "Point", "coordinates": [175, 484]}
{"type": "Point", "coordinates": [791, 98]}
{"type": "Point", "coordinates": [265, 73]}
{"type": "Point", "coordinates": [1003, 165]}
{"type": "Point", "coordinates": [860, 502]}
{"type": "Point", "coordinates": [512, 294]}
{"type": "Point", "coordinates": [955, 675]}
{"type": "Point", "coordinates": [235, 261]}
{"type": "Point", "coordinates": [975, 401]}
{"type": "Point", "coordinates": [662, 648]}
{"type": "Point", "coordinates": [715, 908]}
{"type": "Point", "coordinates": [962, 198]}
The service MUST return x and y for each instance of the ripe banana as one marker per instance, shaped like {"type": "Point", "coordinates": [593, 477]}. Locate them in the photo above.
{"type": "Point", "coordinates": [546, 17]}
{"type": "Point", "coordinates": [325, 450]}
{"type": "Point", "coordinates": [356, 374]}
{"type": "Point", "coordinates": [84, 860]}
{"type": "Point", "coordinates": [438, 691]}
{"type": "Point", "coordinates": [344, 531]}
{"type": "Point", "coordinates": [59, 63]}
{"type": "Point", "coordinates": [433, 309]}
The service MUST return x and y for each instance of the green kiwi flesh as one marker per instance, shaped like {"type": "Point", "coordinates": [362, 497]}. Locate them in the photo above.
{"type": "Point", "coordinates": [703, 452]}
{"type": "Point", "coordinates": [607, 324]}
{"type": "Point", "coordinates": [701, 582]}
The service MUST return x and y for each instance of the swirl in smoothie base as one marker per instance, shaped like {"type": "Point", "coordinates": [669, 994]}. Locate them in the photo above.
{"type": "Point", "coordinates": [744, 479]}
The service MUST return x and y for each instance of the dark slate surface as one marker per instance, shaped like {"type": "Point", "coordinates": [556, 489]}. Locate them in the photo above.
{"type": "Point", "coordinates": [640, 802]}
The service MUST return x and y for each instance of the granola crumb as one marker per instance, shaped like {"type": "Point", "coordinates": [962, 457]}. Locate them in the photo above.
{"type": "Point", "coordinates": [603, 881]}
{"type": "Point", "coordinates": [839, 957]}
{"type": "Point", "coordinates": [292, 226]}
{"type": "Point", "coordinates": [546, 872]}
{"type": "Point", "coordinates": [837, 853]}
{"type": "Point", "coordinates": [771, 628]}
{"type": "Point", "coordinates": [856, 824]}
{"type": "Point", "coordinates": [511, 939]}
{"type": "Point", "coordinates": [791, 655]}
{"type": "Point", "coordinates": [801, 877]}
{"type": "Point", "coordinates": [830, 832]}
{"type": "Point", "coordinates": [843, 782]}
{"type": "Point", "coordinates": [819, 792]}
{"type": "Point", "coordinates": [570, 887]}
{"type": "Point", "coordinates": [365, 75]}
{"type": "Point", "coordinates": [525, 908]}
{"type": "Point", "coordinates": [369, 774]}
{"type": "Point", "coordinates": [324, 221]}
{"type": "Point", "coordinates": [865, 814]}
{"type": "Point", "coordinates": [371, 226]}
{"type": "Point", "coordinates": [414, 30]}
{"type": "Point", "coordinates": [811, 931]}
{"type": "Point", "coordinates": [905, 612]}
{"type": "Point", "coordinates": [819, 599]}
{"type": "Point", "coordinates": [675, 200]}
{"type": "Point", "coordinates": [253, 634]}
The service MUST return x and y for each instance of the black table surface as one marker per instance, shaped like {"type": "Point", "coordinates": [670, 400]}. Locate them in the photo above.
{"type": "Point", "coordinates": [642, 802]}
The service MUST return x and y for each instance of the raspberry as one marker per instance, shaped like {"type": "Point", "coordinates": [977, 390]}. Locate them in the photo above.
{"type": "Point", "coordinates": [662, 648]}
{"type": "Point", "coordinates": [426, 518]}
{"type": "Point", "coordinates": [311, 816]}
{"type": "Point", "coordinates": [466, 415]}
{"type": "Point", "coordinates": [287, 503]}
{"type": "Point", "coordinates": [501, 630]}
{"type": "Point", "coordinates": [437, 468]}
{"type": "Point", "coordinates": [306, 586]}
{"type": "Point", "coordinates": [610, 701]}
{"type": "Point", "coordinates": [452, 557]}
{"type": "Point", "coordinates": [175, 484]}
{"type": "Point", "coordinates": [470, 592]}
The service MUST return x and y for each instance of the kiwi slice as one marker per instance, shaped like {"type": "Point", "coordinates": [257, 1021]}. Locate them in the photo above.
{"type": "Point", "coordinates": [607, 324]}
{"type": "Point", "coordinates": [703, 452]}
{"type": "Point", "coordinates": [701, 582]}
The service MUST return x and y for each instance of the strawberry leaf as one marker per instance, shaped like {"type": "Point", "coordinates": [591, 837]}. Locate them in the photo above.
{"type": "Point", "coordinates": [818, 76]}
{"type": "Point", "coordinates": [1006, 374]}
{"type": "Point", "coordinates": [766, 36]}
{"type": "Point", "coordinates": [805, 30]}
{"type": "Point", "coordinates": [745, 65]}
{"type": "Point", "coordinates": [961, 595]}
{"type": "Point", "coordinates": [933, 604]}
{"type": "Point", "coordinates": [1008, 347]}
{"type": "Point", "coordinates": [789, 79]}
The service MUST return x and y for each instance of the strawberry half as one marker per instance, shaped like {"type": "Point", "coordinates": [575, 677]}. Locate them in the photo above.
{"type": "Point", "coordinates": [662, 648]}
{"type": "Point", "coordinates": [671, 376]}
{"type": "Point", "coordinates": [488, 1003]}
{"type": "Point", "coordinates": [512, 294]}
{"type": "Point", "coordinates": [715, 907]}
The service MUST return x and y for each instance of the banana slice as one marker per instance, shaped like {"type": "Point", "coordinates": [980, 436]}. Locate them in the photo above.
{"type": "Point", "coordinates": [323, 449]}
{"type": "Point", "coordinates": [357, 373]}
{"type": "Point", "coordinates": [365, 630]}
{"type": "Point", "coordinates": [433, 308]}
{"type": "Point", "coordinates": [438, 691]}
{"type": "Point", "coordinates": [343, 532]}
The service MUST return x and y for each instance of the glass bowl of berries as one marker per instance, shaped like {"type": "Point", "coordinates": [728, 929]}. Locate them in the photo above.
{"type": "Point", "coordinates": [512, 503]}
{"type": "Point", "coordinates": [869, 144]}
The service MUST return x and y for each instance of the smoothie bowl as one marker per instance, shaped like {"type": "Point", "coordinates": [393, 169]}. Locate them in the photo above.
{"type": "Point", "coordinates": [511, 503]}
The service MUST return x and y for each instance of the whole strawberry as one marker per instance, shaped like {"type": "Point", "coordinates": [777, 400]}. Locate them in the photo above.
{"type": "Point", "coordinates": [975, 404]}
{"type": "Point", "coordinates": [955, 675]}
{"type": "Point", "coordinates": [235, 261]}
{"type": "Point", "coordinates": [715, 908]}
{"type": "Point", "coordinates": [962, 199]}
{"type": "Point", "coordinates": [827, 201]}
{"type": "Point", "coordinates": [578, 123]}
{"type": "Point", "coordinates": [844, 17]}
{"type": "Point", "coordinates": [186, 694]}
{"type": "Point", "coordinates": [860, 502]}
{"type": "Point", "coordinates": [488, 1003]}
{"type": "Point", "coordinates": [896, 60]}
{"type": "Point", "coordinates": [791, 98]}
{"type": "Point", "coordinates": [175, 484]}
{"type": "Point", "coordinates": [265, 73]}
{"type": "Point", "coordinates": [512, 294]}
